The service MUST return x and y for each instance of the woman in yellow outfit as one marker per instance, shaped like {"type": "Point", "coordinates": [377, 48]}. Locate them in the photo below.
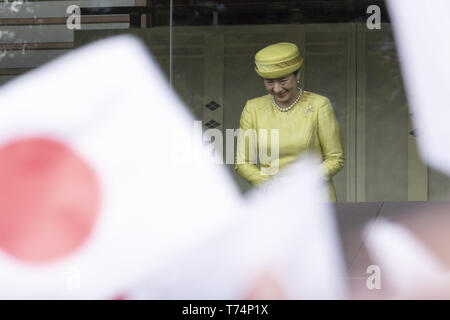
{"type": "Point", "coordinates": [305, 121]}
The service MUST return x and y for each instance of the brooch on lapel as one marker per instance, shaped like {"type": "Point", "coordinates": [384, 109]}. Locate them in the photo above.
{"type": "Point", "coordinates": [309, 109]}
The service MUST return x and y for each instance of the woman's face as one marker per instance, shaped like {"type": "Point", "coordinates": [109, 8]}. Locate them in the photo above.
{"type": "Point", "coordinates": [284, 89]}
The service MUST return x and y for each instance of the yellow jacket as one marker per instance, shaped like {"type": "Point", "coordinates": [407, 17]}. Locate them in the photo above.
{"type": "Point", "coordinates": [310, 126]}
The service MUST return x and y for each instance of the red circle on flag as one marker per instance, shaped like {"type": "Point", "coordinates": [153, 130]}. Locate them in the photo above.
{"type": "Point", "coordinates": [49, 199]}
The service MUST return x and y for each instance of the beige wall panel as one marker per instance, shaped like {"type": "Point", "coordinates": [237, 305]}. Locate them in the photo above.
{"type": "Point", "coordinates": [438, 185]}
{"type": "Point", "coordinates": [417, 170]}
{"type": "Point", "coordinates": [189, 67]}
{"type": "Point", "coordinates": [386, 118]}
{"type": "Point", "coordinates": [187, 82]}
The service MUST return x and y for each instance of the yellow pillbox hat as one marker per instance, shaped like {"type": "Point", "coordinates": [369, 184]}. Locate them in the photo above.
{"type": "Point", "coordinates": [277, 60]}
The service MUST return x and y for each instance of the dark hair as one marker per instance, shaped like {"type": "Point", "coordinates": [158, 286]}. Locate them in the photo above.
{"type": "Point", "coordinates": [294, 73]}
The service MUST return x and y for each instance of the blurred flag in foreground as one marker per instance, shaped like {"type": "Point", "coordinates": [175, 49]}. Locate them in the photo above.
{"type": "Point", "coordinates": [102, 187]}
{"type": "Point", "coordinates": [285, 246]}
{"type": "Point", "coordinates": [406, 263]}
{"type": "Point", "coordinates": [423, 41]}
{"type": "Point", "coordinates": [89, 197]}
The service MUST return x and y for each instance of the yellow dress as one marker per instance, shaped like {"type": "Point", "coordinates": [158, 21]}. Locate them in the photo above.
{"type": "Point", "coordinates": [310, 126]}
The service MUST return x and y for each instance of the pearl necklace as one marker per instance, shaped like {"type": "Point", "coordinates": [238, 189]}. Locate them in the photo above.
{"type": "Point", "coordinates": [290, 106]}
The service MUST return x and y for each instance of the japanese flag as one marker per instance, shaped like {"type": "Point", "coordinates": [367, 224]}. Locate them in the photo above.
{"type": "Point", "coordinates": [98, 184]}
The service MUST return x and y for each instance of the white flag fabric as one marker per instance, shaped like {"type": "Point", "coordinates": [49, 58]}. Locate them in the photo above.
{"type": "Point", "coordinates": [423, 41]}
{"type": "Point", "coordinates": [285, 247]}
